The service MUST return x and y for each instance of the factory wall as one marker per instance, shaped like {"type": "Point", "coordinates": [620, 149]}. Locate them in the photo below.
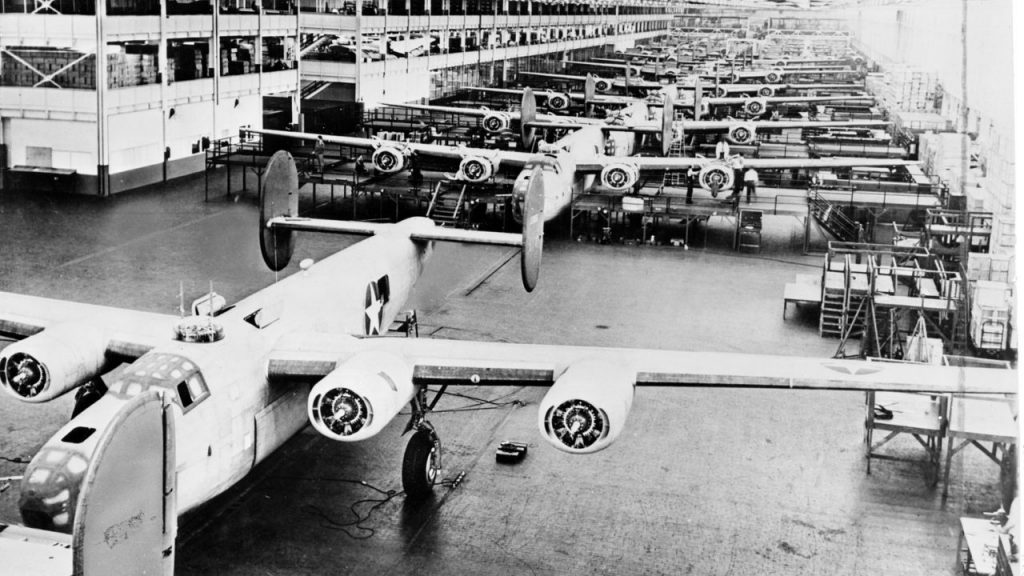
{"type": "Point", "coordinates": [137, 139]}
{"type": "Point", "coordinates": [925, 39]}
{"type": "Point", "coordinates": [71, 144]}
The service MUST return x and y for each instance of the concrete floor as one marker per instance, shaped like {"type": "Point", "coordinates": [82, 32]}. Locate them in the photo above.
{"type": "Point", "coordinates": [701, 481]}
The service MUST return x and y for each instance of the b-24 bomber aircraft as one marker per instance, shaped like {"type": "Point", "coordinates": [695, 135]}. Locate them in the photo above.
{"type": "Point", "coordinates": [174, 411]}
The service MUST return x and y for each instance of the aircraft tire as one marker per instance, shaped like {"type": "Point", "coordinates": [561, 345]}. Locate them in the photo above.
{"type": "Point", "coordinates": [418, 472]}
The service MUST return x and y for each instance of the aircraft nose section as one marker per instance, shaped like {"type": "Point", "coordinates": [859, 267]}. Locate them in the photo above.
{"type": "Point", "coordinates": [50, 488]}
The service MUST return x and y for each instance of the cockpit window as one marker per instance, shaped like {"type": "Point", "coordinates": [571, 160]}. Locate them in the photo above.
{"type": "Point", "coordinates": [175, 374]}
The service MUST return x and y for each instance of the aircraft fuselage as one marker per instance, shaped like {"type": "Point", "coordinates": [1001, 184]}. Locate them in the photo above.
{"type": "Point", "coordinates": [228, 415]}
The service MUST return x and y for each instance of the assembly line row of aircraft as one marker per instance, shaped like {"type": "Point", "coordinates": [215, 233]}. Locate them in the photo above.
{"type": "Point", "coordinates": [175, 410]}
{"type": "Point", "coordinates": [172, 411]}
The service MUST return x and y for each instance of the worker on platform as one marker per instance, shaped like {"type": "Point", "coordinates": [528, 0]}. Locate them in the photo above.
{"type": "Point", "coordinates": [750, 180]}
{"type": "Point", "coordinates": [318, 151]}
{"type": "Point", "coordinates": [691, 178]}
{"type": "Point", "coordinates": [721, 149]}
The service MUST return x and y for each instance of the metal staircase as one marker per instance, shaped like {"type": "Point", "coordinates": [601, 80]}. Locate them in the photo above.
{"type": "Point", "coordinates": [832, 219]}
{"type": "Point", "coordinates": [445, 207]}
{"type": "Point", "coordinates": [675, 178]}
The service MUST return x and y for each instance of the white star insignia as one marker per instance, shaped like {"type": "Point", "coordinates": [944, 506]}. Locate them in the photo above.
{"type": "Point", "coordinates": [374, 309]}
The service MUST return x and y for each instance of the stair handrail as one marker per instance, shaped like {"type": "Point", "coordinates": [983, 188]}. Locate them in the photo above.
{"type": "Point", "coordinates": [433, 199]}
{"type": "Point", "coordinates": [462, 194]}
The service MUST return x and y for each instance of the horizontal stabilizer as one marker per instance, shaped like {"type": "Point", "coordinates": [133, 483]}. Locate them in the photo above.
{"type": "Point", "coordinates": [279, 221]}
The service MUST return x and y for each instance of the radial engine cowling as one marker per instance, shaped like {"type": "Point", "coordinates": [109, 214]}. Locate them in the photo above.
{"type": "Point", "coordinates": [358, 399]}
{"type": "Point", "coordinates": [716, 174]}
{"type": "Point", "coordinates": [586, 409]}
{"type": "Point", "coordinates": [558, 101]}
{"type": "Point", "coordinates": [602, 85]}
{"type": "Point", "coordinates": [741, 133]}
{"type": "Point", "coordinates": [755, 106]}
{"type": "Point", "coordinates": [476, 169]}
{"type": "Point", "coordinates": [774, 76]}
{"type": "Point", "coordinates": [496, 122]}
{"type": "Point", "coordinates": [388, 159]}
{"type": "Point", "coordinates": [620, 176]}
{"type": "Point", "coordinates": [52, 362]}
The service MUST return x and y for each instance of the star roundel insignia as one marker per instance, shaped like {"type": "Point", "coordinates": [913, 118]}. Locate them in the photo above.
{"type": "Point", "coordinates": [853, 370]}
{"type": "Point", "coordinates": [374, 315]}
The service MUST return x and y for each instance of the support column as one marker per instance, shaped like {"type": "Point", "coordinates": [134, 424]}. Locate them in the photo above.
{"type": "Point", "coordinates": [102, 126]}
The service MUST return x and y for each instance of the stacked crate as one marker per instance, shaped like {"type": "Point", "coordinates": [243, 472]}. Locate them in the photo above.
{"type": "Point", "coordinates": [81, 75]}
{"type": "Point", "coordinates": [990, 267]}
{"type": "Point", "coordinates": [131, 69]}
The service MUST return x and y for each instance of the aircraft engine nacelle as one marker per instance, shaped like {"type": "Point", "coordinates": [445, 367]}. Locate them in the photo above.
{"type": "Point", "coordinates": [358, 399]}
{"type": "Point", "coordinates": [741, 133]}
{"type": "Point", "coordinates": [774, 76]}
{"type": "Point", "coordinates": [558, 101]}
{"type": "Point", "coordinates": [496, 122]}
{"type": "Point", "coordinates": [755, 107]}
{"type": "Point", "coordinates": [716, 174]}
{"type": "Point", "coordinates": [476, 169]}
{"type": "Point", "coordinates": [782, 62]}
{"type": "Point", "coordinates": [766, 91]}
{"type": "Point", "coordinates": [620, 176]}
{"type": "Point", "coordinates": [721, 92]}
{"type": "Point", "coordinates": [602, 84]}
{"type": "Point", "coordinates": [671, 73]}
{"type": "Point", "coordinates": [389, 159]}
{"type": "Point", "coordinates": [586, 409]}
{"type": "Point", "coordinates": [52, 362]}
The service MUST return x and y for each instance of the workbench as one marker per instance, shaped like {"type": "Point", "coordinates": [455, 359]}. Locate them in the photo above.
{"type": "Point", "coordinates": [977, 547]}
{"type": "Point", "coordinates": [974, 420]}
{"type": "Point", "coordinates": [806, 290]}
{"type": "Point", "coordinates": [923, 416]}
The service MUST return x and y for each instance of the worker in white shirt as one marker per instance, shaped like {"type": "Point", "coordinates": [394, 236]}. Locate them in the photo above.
{"type": "Point", "coordinates": [750, 179]}
{"type": "Point", "coordinates": [737, 175]}
{"type": "Point", "coordinates": [721, 149]}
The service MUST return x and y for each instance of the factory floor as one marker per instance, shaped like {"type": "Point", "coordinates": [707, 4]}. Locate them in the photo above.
{"type": "Point", "coordinates": [702, 481]}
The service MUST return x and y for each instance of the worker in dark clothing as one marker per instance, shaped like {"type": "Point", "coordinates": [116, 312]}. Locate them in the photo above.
{"type": "Point", "coordinates": [691, 178]}
{"type": "Point", "coordinates": [318, 151]}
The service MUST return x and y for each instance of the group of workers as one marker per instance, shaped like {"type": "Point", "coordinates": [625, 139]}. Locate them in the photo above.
{"type": "Point", "coordinates": [741, 178]}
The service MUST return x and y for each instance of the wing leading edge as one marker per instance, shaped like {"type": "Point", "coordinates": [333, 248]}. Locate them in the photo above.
{"type": "Point", "coordinates": [458, 362]}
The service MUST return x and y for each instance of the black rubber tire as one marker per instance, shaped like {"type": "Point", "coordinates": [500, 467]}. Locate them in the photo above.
{"type": "Point", "coordinates": [417, 477]}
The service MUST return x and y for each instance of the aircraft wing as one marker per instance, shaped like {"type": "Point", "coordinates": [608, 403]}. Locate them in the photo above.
{"type": "Point", "coordinates": [459, 362]}
{"type": "Point", "coordinates": [654, 163]}
{"type": "Point", "coordinates": [434, 150]}
{"type": "Point", "coordinates": [516, 92]}
{"type": "Point", "coordinates": [718, 125]}
{"type": "Point", "coordinates": [128, 333]}
{"type": "Point", "coordinates": [481, 112]}
{"type": "Point", "coordinates": [791, 99]}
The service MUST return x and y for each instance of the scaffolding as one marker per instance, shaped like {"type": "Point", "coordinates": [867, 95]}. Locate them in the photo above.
{"type": "Point", "coordinates": [946, 230]}
{"type": "Point", "coordinates": [880, 293]}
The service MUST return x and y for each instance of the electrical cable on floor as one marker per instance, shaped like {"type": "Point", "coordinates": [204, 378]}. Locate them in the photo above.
{"type": "Point", "coordinates": [14, 460]}
{"type": "Point", "coordinates": [331, 523]}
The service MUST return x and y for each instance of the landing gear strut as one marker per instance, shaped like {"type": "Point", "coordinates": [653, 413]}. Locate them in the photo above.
{"type": "Point", "coordinates": [422, 461]}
